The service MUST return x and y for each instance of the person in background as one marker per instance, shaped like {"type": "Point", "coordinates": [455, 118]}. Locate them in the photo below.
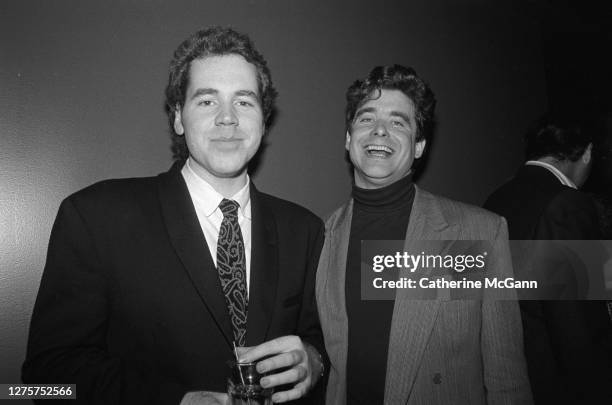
{"type": "Point", "coordinates": [568, 344]}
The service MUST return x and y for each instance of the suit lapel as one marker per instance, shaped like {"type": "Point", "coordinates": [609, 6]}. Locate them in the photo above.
{"type": "Point", "coordinates": [264, 270]}
{"type": "Point", "coordinates": [190, 245]}
{"type": "Point", "coordinates": [331, 277]}
{"type": "Point", "coordinates": [336, 276]}
{"type": "Point", "coordinates": [339, 236]}
{"type": "Point", "coordinates": [413, 320]}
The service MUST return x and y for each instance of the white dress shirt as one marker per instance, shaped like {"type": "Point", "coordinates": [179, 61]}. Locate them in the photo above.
{"type": "Point", "coordinates": [206, 201]}
{"type": "Point", "coordinates": [562, 177]}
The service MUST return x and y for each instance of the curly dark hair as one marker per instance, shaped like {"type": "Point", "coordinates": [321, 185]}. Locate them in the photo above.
{"type": "Point", "coordinates": [560, 136]}
{"type": "Point", "coordinates": [213, 41]}
{"type": "Point", "coordinates": [394, 77]}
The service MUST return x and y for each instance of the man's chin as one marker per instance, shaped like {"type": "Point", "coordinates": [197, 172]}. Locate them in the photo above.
{"type": "Point", "coordinates": [373, 180]}
{"type": "Point", "coordinates": [376, 172]}
{"type": "Point", "coordinates": [230, 172]}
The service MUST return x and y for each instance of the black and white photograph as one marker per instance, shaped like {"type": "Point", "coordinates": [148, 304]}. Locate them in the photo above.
{"type": "Point", "coordinates": [341, 202]}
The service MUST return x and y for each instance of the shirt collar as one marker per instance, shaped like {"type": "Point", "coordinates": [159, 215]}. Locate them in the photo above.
{"type": "Point", "coordinates": [558, 174]}
{"type": "Point", "coordinates": [208, 199]}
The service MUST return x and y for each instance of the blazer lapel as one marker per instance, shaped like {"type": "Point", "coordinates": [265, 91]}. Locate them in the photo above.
{"type": "Point", "coordinates": [264, 270]}
{"type": "Point", "coordinates": [331, 276]}
{"type": "Point", "coordinates": [336, 276]}
{"type": "Point", "coordinates": [190, 245]}
{"type": "Point", "coordinates": [413, 320]}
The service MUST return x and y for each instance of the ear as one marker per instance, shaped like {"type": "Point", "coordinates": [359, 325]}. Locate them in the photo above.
{"type": "Point", "coordinates": [178, 121]}
{"type": "Point", "coordinates": [586, 156]}
{"type": "Point", "coordinates": [347, 143]}
{"type": "Point", "coordinates": [419, 148]}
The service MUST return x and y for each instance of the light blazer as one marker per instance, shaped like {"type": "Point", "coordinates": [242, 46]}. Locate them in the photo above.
{"type": "Point", "coordinates": [453, 352]}
{"type": "Point", "coordinates": [130, 306]}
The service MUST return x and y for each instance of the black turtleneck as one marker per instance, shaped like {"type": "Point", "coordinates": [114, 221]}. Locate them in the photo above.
{"type": "Point", "coordinates": [379, 214]}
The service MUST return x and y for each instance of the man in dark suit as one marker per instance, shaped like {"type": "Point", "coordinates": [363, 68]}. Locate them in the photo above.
{"type": "Point", "coordinates": [150, 282]}
{"type": "Point", "coordinates": [567, 343]}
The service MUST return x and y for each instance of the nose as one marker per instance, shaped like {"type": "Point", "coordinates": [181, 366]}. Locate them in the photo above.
{"type": "Point", "coordinates": [380, 130]}
{"type": "Point", "coordinates": [226, 116]}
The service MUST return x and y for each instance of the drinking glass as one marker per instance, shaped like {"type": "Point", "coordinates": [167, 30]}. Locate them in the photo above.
{"type": "Point", "coordinates": [243, 386]}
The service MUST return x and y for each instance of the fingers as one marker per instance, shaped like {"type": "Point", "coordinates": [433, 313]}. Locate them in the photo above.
{"type": "Point", "coordinates": [298, 391]}
{"type": "Point", "coordinates": [271, 347]}
{"type": "Point", "coordinates": [295, 374]}
{"type": "Point", "coordinates": [288, 359]}
{"type": "Point", "coordinates": [242, 350]}
{"type": "Point", "coordinates": [283, 352]}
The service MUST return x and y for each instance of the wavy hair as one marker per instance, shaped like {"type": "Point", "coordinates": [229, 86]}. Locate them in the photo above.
{"type": "Point", "coordinates": [394, 77]}
{"type": "Point", "coordinates": [213, 41]}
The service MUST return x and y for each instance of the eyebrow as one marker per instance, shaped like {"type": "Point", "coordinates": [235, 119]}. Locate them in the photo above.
{"type": "Point", "coordinates": [400, 114]}
{"type": "Point", "coordinates": [208, 91]}
{"type": "Point", "coordinates": [364, 110]}
{"type": "Point", "coordinates": [248, 93]}
{"type": "Point", "coordinates": [203, 92]}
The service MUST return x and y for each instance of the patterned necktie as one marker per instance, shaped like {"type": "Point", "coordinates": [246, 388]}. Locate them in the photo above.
{"type": "Point", "coordinates": [231, 265]}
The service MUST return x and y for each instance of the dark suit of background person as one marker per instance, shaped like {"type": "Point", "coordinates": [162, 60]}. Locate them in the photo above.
{"type": "Point", "coordinates": [567, 343]}
{"type": "Point", "coordinates": [130, 306]}
{"type": "Point", "coordinates": [407, 351]}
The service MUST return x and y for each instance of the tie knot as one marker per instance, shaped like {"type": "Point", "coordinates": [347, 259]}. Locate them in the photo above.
{"type": "Point", "coordinates": [229, 208]}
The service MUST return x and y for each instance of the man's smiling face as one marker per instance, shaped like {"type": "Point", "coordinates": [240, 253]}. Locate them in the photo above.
{"type": "Point", "coordinates": [222, 119]}
{"type": "Point", "coordinates": [382, 140]}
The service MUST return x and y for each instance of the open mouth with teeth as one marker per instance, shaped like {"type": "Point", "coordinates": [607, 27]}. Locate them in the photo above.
{"type": "Point", "coordinates": [380, 151]}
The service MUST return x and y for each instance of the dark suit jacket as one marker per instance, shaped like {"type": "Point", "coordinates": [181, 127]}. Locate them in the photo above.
{"type": "Point", "coordinates": [567, 343]}
{"type": "Point", "coordinates": [130, 306]}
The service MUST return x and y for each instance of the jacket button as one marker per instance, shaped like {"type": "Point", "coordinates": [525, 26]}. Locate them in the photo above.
{"type": "Point", "coordinates": [437, 378]}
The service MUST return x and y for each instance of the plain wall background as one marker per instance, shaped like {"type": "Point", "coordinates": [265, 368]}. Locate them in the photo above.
{"type": "Point", "coordinates": [81, 100]}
